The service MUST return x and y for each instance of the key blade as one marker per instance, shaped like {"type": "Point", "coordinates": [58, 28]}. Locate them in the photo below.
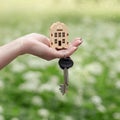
{"type": "Point", "coordinates": [66, 76]}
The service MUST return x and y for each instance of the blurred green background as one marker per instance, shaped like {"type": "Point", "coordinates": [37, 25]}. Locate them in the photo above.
{"type": "Point", "coordinates": [29, 86]}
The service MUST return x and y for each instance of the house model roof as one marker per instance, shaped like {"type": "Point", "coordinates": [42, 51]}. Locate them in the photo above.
{"type": "Point", "coordinates": [58, 25]}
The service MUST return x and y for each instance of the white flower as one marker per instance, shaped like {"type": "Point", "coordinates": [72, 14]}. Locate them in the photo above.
{"type": "Point", "coordinates": [95, 68]}
{"type": "Point", "coordinates": [32, 81]}
{"type": "Point", "coordinates": [79, 100]}
{"type": "Point", "coordinates": [2, 117]}
{"type": "Point", "coordinates": [116, 66]}
{"type": "Point", "coordinates": [46, 87]}
{"type": "Point", "coordinates": [98, 103]}
{"type": "Point", "coordinates": [18, 67]}
{"type": "Point", "coordinates": [1, 109]}
{"type": "Point", "coordinates": [118, 43]}
{"type": "Point", "coordinates": [101, 108]}
{"type": "Point", "coordinates": [112, 74]}
{"type": "Point", "coordinates": [36, 100]}
{"type": "Point", "coordinates": [29, 86]}
{"type": "Point", "coordinates": [68, 118]}
{"type": "Point", "coordinates": [14, 118]}
{"type": "Point", "coordinates": [96, 100]}
{"type": "Point", "coordinates": [51, 85]}
{"type": "Point", "coordinates": [117, 84]}
{"type": "Point", "coordinates": [33, 62]}
{"type": "Point", "coordinates": [43, 112]}
{"type": "Point", "coordinates": [91, 79]}
{"type": "Point", "coordinates": [1, 84]}
{"type": "Point", "coordinates": [116, 116]}
{"type": "Point", "coordinates": [31, 75]}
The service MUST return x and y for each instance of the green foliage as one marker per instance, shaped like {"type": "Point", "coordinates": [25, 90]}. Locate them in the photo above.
{"type": "Point", "coordinates": [29, 86]}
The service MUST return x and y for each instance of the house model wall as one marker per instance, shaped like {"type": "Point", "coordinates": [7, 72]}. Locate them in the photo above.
{"type": "Point", "coordinates": [59, 35]}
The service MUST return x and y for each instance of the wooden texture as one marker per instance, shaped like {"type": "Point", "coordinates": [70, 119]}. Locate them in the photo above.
{"type": "Point", "coordinates": [59, 35]}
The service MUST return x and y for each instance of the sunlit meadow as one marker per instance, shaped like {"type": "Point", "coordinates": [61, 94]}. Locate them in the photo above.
{"type": "Point", "coordinates": [29, 86]}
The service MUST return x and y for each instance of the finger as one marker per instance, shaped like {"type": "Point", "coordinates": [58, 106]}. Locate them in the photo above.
{"type": "Point", "coordinates": [70, 51]}
{"type": "Point", "coordinates": [76, 42]}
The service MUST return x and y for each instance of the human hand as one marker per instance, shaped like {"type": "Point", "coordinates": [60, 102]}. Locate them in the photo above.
{"type": "Point", "coordinates": [39, 45]}
{"type": "Point", "coordinates": [35, 44]}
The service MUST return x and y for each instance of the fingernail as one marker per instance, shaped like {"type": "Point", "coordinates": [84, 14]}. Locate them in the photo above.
{"type": "Point", "coordinates": [75, 48]}
{"type": "Point", "coordinates": [80, 40]}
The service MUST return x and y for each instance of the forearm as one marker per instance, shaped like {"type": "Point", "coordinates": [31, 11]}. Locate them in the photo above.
{"type": "Point", "coordinates": [9, 52]}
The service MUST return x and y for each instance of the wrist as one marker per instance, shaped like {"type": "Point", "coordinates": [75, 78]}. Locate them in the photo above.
{"type": "Point", "coordinates": [25, 45]}
{"type": "Point", "coordinates": [19, 46]}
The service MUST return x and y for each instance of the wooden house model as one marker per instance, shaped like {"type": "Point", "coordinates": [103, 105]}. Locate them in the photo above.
{"type": "Point", "coordinates": [59, 35]}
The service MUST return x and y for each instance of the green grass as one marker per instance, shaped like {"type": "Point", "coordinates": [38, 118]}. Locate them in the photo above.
{"type": "Point", "coordinates": [29, 86]}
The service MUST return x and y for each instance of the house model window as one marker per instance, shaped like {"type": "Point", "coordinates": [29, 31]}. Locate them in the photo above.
{"type": "Point", "coordinates": [59, 35]}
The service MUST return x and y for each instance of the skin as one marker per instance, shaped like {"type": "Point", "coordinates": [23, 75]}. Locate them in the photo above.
{"type": "Point", "coordinates": [37, 45]}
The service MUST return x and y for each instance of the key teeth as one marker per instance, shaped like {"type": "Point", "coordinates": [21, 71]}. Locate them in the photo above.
{"type": "Point", "coordinates": [63, 88]}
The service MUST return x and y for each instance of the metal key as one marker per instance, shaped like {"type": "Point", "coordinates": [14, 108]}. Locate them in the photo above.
{"type": "Point", "coordinates": [66, 76]}
{"type": "Point", "coordinates": [65, 64]}
{"type": "Point", "coordinates": [64, 87]}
